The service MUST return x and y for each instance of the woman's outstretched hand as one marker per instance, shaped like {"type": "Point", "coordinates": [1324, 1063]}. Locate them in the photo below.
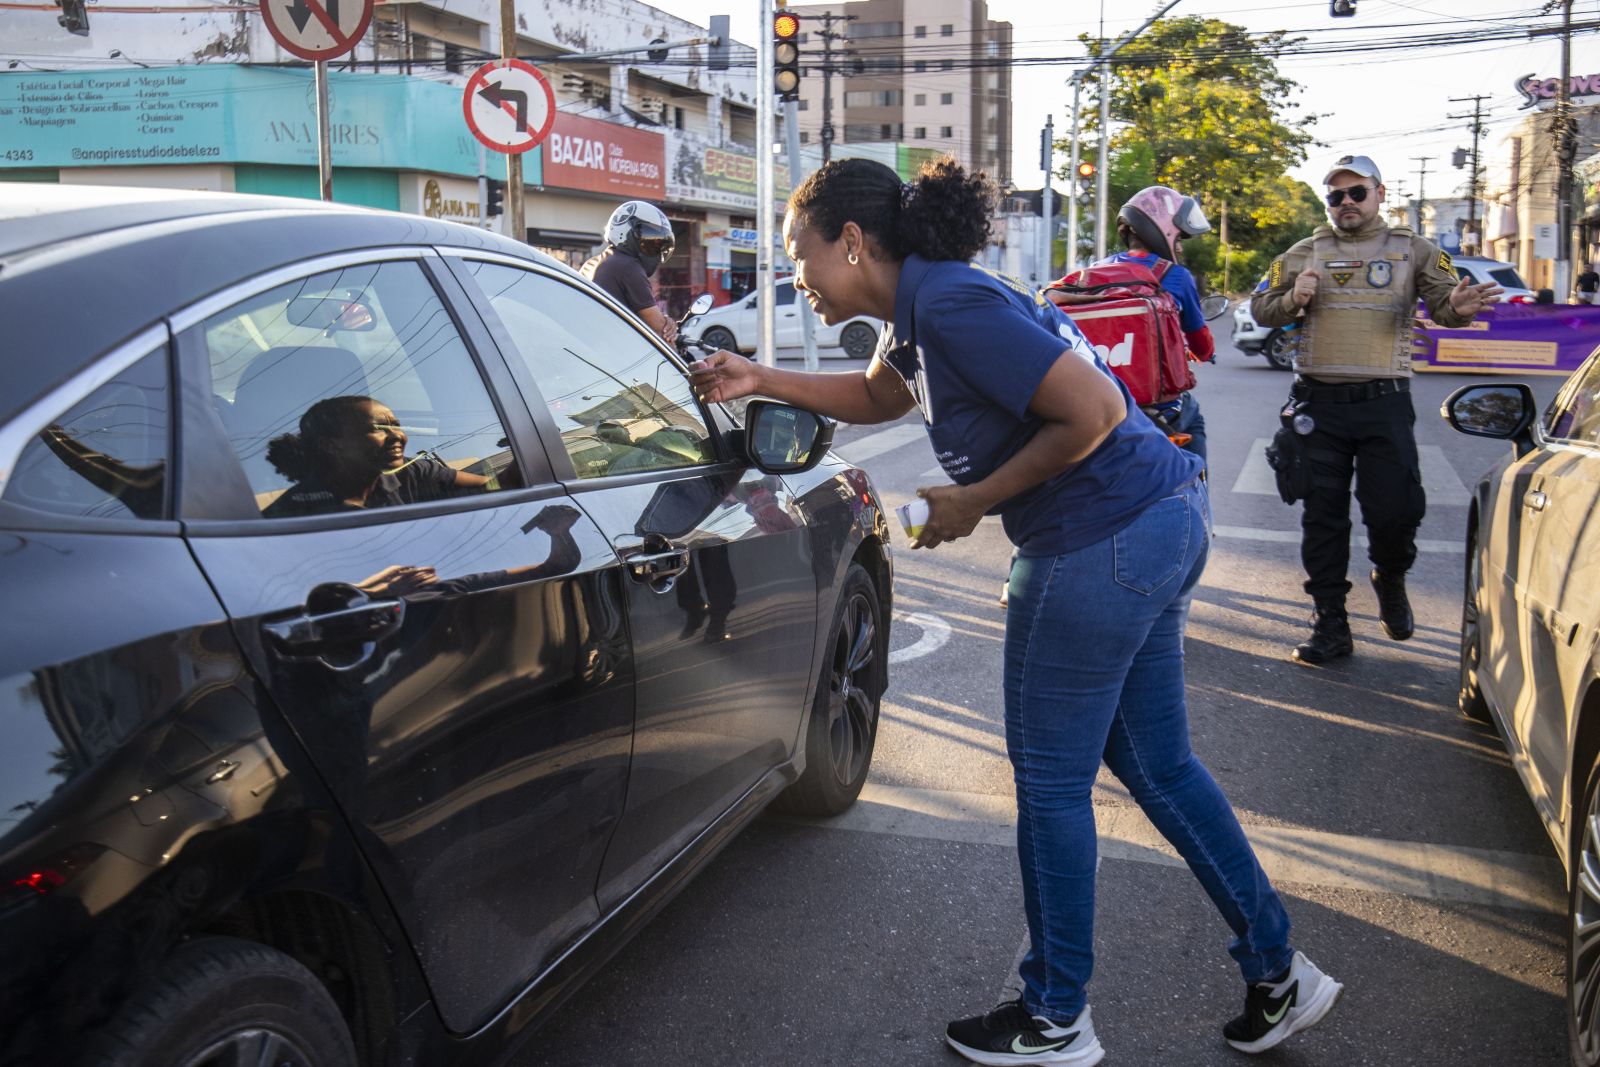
{"type": "Point", "coordinates": [724, 376]}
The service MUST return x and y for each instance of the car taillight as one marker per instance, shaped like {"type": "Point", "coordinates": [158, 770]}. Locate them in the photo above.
{"type": "Point", "coordinates": [1519, 299]}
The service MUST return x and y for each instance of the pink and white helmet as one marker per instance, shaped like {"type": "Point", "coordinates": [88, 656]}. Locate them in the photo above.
{"type": "Point", "coordinates": [1161, 217]}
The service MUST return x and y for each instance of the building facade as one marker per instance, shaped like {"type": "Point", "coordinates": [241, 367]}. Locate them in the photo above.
{"type": "Point", "coordinates": [170, 94]}
{"type": "Point", "coordinates": [1520, 193]}
{"type": "Point", "coordinates": [931, 74]}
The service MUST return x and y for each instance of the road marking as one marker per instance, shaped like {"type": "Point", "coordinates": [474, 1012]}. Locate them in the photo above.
{"type": "Point", "coordinates": [935, 632]}
{"type": "Point", "coordinates": [1291, 855]}
{"type": "Point", "coordinates": [876, 444]}
{"type": "Point", "coordinates": [1439, 479]}
{"type": "Point", "coordinates": [1292, 537]}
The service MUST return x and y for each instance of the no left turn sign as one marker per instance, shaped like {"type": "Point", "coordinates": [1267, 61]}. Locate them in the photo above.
{"type": "Point", "coordinates": [317, 29]}
{"type": "Point", "coordinates": [509, 105]}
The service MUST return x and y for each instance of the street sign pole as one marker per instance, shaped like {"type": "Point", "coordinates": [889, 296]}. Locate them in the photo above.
{"type": "Point", "coordinates": [1047, 158]}
{"type": "Point", "coordinates": [766, 134]}
{"type": "Point", "coordinates": [1072, 170]}
{"type": "Point", "coordinates": [515, 220]}
{"type": "Point", "coordinates": [324, 137]}
{"type": "Point", "coordinates": [808, 319]}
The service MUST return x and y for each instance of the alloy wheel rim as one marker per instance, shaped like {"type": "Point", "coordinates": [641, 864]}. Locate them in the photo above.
{"type": "Point", "coordinates": [850, 706]}
{"type": "Point", "coordinates": [1583, 991]}
{"type": "Point", "coordinates": [858, 343]}
{"type": "Point", "coordinates": [251, 1048]}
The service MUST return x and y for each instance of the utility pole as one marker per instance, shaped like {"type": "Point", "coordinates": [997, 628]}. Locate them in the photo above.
{"type": "Point", "coordinates": [828, 37]}
{"type": "Point", "coordinates": [1103, 64]}
{"type": "Point", "coordinates": [766, 174]}
{"type": "Point", "coordinates": [1227, 252]}
{"type": "Point", "coordinates": [791, 139]}
{"type": "Point", "coordinates": [1566, 144]}
{"type": "Point", "coordinates": [1072, 170]}
{"type": "Point", "coordinates": [1047, 152]}
{"type": "Point", "coordinates": [1477, 137]}
{"type": "Point", "coordinates": [1422, 185]}
{"type": "Point", "coordinates": [516, 226]}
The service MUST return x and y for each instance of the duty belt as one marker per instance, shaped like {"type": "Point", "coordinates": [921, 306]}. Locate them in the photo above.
{"type": "Point", "coordinates": [1349, 393]}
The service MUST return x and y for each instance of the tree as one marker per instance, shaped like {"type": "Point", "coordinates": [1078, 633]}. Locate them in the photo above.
{"type": "Point", "coordinates": [1205, 110]}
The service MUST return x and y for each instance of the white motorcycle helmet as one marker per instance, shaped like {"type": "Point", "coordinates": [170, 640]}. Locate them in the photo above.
{"type": "Point", "coordinates": [643, 231]}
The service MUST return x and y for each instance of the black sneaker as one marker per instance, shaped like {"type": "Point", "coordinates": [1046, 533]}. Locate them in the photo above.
{"type": "Point", "coordinates": [1008, 1034]}
{"type": "Point", "coordinates": [1273, 1010]}
{"type": "Point", "coordinates": [1330, 636]}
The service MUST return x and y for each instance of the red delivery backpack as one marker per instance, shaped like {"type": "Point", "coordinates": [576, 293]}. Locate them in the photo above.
{"type": "Point", "coordinates": [1133, 323]}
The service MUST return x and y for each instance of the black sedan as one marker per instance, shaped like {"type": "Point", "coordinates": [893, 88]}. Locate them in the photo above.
{"type": "Point", "coordinates": [389, 631]}
{"type": "Point", "coordinates": [1530, 634]}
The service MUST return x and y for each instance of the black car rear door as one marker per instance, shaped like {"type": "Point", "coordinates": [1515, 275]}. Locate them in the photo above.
{"type": "Point", "coordinates": [721, 589]}
{"type": "Point", "coordinates": [449, 649]}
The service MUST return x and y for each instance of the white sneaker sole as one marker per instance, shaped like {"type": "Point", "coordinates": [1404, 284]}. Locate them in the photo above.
{"type": "Point", "coordinates": [1301, 1017]}
{"type": "Point", "coordinates": [1088, 1056]}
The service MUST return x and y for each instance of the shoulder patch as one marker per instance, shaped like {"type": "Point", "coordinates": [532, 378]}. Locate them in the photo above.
{"type": "Point", "coordinates": [1445, 264]}
{"type": "Point", "coordinates": [1275, 275]}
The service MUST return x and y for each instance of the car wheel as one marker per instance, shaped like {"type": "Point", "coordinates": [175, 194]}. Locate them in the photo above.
{"type": "Point", "coordinates": [1583, 930]}
{"type": "Point", "coordinates": [858, 340]}
{"type": "Point", "coordinates": [719, 337]}
{"type": "Point", "coordinates": [220, 1001]}
{"type": "Point", "coordinates": [1279, 349]}
{"type": "Point", "coordinates": [1469, 698]}
{"type": "Point", "coordinates": [844, 716]}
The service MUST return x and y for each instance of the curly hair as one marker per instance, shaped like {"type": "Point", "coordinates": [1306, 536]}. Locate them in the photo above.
{"type": "Point", "coordinates": [299, 456]}
{"type": "Point", "coordinates": [943, 213]}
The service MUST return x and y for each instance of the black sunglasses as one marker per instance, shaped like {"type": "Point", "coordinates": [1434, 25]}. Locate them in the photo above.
{"type": "Point", "coordinates": [1356, 193]}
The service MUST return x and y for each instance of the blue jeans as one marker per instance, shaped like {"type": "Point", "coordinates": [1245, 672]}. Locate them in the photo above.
{"type": "Point", "coordinates": [1094, 670]}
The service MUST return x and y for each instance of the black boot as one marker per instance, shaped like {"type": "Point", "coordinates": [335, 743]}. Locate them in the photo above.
{"type": "Point", "coordinates": [1394, 610]}
{"type": "Point", "coordinates": [1330, 635]}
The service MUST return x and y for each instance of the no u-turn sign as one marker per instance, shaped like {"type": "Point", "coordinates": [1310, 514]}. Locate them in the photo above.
{"type": "Point", "coordinates": [509, 105]}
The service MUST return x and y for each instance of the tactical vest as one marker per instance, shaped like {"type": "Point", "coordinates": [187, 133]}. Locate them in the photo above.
{"type": "Point", "coordinates": [1359, 325]}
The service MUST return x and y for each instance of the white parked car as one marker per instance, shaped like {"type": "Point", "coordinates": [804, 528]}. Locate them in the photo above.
{"type": "Point", "coordinates": [735, 326]}
{"type": "Point", "coordinates": [1503, 274]}
{"type": "Point", "coordinates": [1276, 343]}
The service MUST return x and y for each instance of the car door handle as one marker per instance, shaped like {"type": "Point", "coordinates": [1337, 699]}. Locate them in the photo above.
{"type": "Point", "coordinates": [652, 558]}
{"type": "Point", "coordinates": [337, 616]}
{"type": "Point", "coordinates": [1535, 501]}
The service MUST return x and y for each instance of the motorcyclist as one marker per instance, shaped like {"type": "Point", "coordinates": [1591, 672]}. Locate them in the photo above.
{"type": "Point", "coordinates": [1152, 225]}
{"type": "Point", "coordinates": [638, 240]}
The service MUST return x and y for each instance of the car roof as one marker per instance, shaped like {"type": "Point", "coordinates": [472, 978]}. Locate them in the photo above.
{"type": "Point", "coordinates": [84, 268]}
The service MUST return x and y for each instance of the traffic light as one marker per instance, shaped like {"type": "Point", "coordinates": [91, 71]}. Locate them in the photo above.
{"type": "Point", "coordinates": [1085, 171]}
{"type": "Point", "coordinates": [74, 18]}
{"type": "Point", "coordinates": [494, 197]}
{"type": "Point", "coordinates": [1342, 9]}
{"type": "Point", "coordinates": [717, 58]}
{"type": "Point", "coordinates": [786, 55]}
{"type": "Point", "coordinates": [1458, 158]}
{"type": "Point", "coordinates": [1085, 178]}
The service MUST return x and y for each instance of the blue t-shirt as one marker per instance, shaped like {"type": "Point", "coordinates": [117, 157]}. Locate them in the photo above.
{"type": "Point", "coordinates": [973, 346]}
{"type": "Point", "coordinates": [1177, 281]}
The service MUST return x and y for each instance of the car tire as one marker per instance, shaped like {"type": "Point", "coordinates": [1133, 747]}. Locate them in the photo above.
{"type": "Point", "coordinates": [858, 340]}
{"type": "Point", "coordinates": [720, 337]}
{"type": "Point", "coordinates": [221, 1000]}
{"type": "Point", "coordinates": [1279, 349]}
{"type": "Point", "coordinates": [1469, 697]}
{"type": "Point", "coordinates": [1583, 927]}
{"type": "Point", "coordinates": [843, 725]}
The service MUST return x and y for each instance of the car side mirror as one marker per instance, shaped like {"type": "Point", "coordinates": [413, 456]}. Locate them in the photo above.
{"type": "Point", "coordinates": [1502, 410]}
{"type": "Point", "coordinates": [702, 304]}
{"type": "Point", "coordinates": [1213, 306]}
{"type": "Point", "coordinates": [783, 439]}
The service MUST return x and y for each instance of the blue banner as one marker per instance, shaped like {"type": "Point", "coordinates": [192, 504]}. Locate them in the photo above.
{"type": "Point", "coordinates": [1513, 339]}
{"type": "Point", "coordinates": [233, 114]}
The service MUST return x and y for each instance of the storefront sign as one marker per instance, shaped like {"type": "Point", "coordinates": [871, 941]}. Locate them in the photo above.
{"type": "Point", "coordinates": [1513, 339]}
{"type": "Point", "coordinates": [450, 199]}
{"type": "Point", "coordinates": [602, 157]}
{"type": "Point", "coordinates": [702, 173]}
{"type": "Point", "coordinates": [1543, 92]}
{"type": "Point", "coordinates": [231, 114]}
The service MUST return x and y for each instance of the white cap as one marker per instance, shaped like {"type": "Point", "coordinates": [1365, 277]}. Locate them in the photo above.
{"type": "Point", "coordinates": [1360, 166]}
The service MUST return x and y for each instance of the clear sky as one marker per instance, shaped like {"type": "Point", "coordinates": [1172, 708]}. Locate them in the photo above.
{"type": "Point", "coordinates": [1391, 105]}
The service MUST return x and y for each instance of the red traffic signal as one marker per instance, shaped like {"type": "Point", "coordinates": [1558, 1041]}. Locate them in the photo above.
{"type": "Point", "coordinates": [786, 55]}
{"type": "Point", "coordinates": [1086, 169]}
{"type": "Point", "coordinates": [786, 26]}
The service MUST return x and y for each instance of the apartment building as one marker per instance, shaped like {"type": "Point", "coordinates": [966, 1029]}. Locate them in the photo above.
{"type": "Point", "coordinates": [930, 74]}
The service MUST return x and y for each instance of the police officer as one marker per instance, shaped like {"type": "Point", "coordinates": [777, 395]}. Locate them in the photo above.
{"type": "Point", "coordinates": [1353, 288]}
{"type": "Point", "coordinates": [638, 240]}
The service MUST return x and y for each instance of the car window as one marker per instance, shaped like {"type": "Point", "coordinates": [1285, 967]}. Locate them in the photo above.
{"type": "Point", "coordinates": [1508, 278]}
{"type": "Point", "coordinates": [353, 389]}
{"type": "Point", "coordinates": [619, 404]}
{"type": "Point", "coordinates": [105, 457]}
{"type": "Point", "coordinates": [1575, 413]}
{"type": "Point", "coordinates": [783, 295]}
{"type": "Point", "coordinates": [1463, 272]}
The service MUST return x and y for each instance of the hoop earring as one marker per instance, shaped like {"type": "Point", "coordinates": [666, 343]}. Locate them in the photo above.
{"type": "Point", "coordinates": [852, 259]}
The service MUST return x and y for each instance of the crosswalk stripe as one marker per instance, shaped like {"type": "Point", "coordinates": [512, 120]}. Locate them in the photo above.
{"type": "Point", "coordinates": [1292, 855]}
{"type": "Point", "coordinates": [1439, 478]}
{"type": "Point", "coordinates": [1252, 533]}
{"type": "Point", "coordinates": [876, 444]}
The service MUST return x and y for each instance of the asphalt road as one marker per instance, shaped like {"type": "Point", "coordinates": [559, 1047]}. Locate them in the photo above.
{"type": "Point", "coordinates": [1398, 833]}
